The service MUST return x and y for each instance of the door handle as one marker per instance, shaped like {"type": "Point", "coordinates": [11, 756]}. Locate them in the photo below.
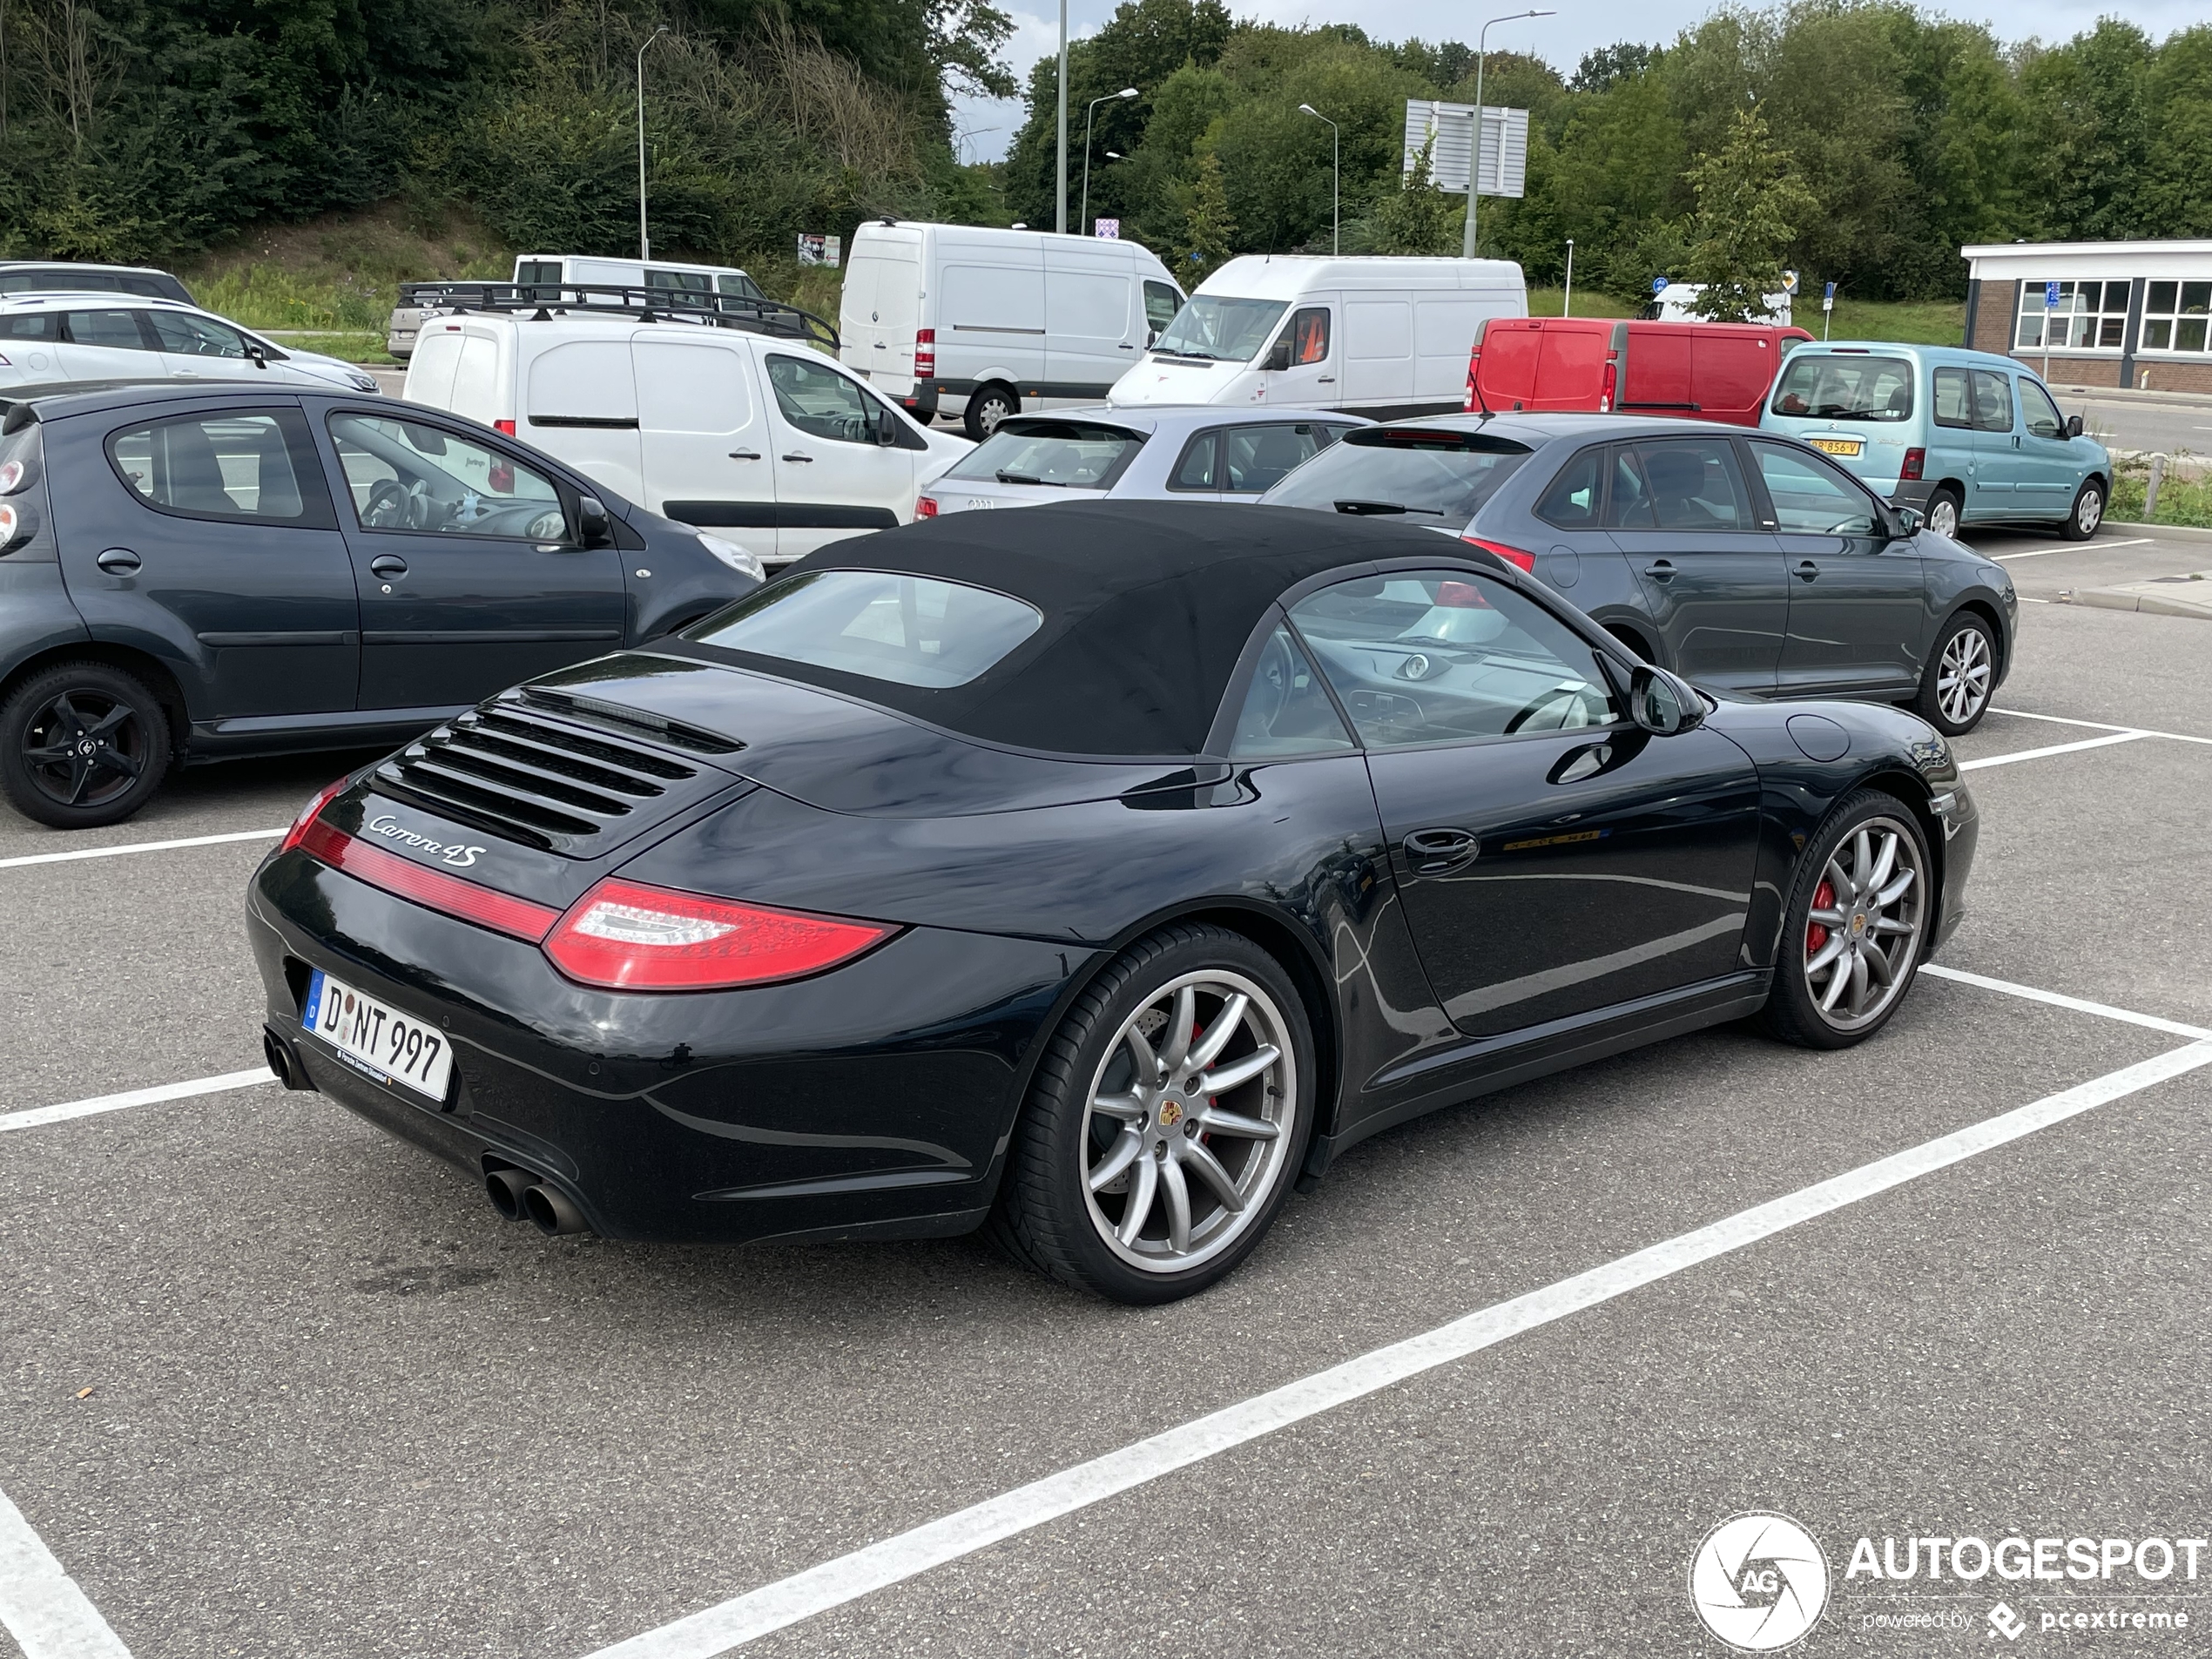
{"type": "Point", "coordinates": [1807, 571]}
{"type": "Point", "coordinates": [118, 560]}
{"type": "Point", "coordinates": [1324, 379]}
{"type": "Point", "coordinates": [389, 565]}
{"type": "Point", "coordinates": [745, 455]}
{"type": "Point", "coordinates": [1432, 851]}
{"type": "Point", "coordinates": [1660, 570]}
{"type": "Point", "coordinates": [1124, 346]}
{"type": "Point", "coordinates": [795, 456]}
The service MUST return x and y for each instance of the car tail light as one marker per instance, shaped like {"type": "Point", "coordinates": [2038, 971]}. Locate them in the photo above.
{"type": "Point", "coordinates": [1609, 386]}
{"type": "Point", "coordinates": [1460, 596]}
{"type": "Point", "coordinates": [925, 507]}
{"type": "Point", "coordinates": [12, 473]}
{"type": "Point", "coordinates": [508, 427]}
{"type": "Point", "coordinates": [9, 522]}
{"type": "Point", "coordinates": [1915, 462]}
{"type": "Point", "coordinates": [323, 797]}
{"type": "Point", "coordinates": [433, 889]}
{"type": "Point", "coordinates": [629, 937]}
{"type": "Point", "coordinates": [1514, 555]}
{"type": "Point", "coordinates": [925, 352]}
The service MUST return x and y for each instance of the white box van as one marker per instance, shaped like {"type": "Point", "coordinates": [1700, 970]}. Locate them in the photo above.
{"type": "Point", "coordinates": [1385, 337]}
{"type": "Point", "coordinates": [759, 437]}
{"type": "Point", "coordinates": [569, 270]}
{"type": "Point", "coordinates": [981, 323]}
{"type": "Point", "coordinates": [1677, 302]}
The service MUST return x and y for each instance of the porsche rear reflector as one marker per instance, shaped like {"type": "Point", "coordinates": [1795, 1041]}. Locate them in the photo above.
{"type": "Point", "coordinates": [630, 937]}
{"type": "Point", "coordinates": [433, 889]}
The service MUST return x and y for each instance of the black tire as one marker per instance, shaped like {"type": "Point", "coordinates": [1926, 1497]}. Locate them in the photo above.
{"type": "Point", "coordinates": [987, 406]}
{"type": "Point", "coordinates": [1793, 1012]}
{"type": "Point", "coordinates": [1960, 677]}
{"type": "Point", "coordinates": [2087, 515]}
{"type": "Point", "coordinates": [47, 769]}
{"type": "Point", "coordinates": [1045, 1217]}
{"type": "Point", "coordinates": [1941, 514]}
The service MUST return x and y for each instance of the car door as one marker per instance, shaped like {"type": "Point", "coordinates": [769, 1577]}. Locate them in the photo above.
{"type": "Point", "coordinates": [1570, 534]}
{"type": "Point", "coordinates": [198, 348]}
{"type": "Point", "coordinates": [1951, 428]}
{"type": "Point", "coordinates": [471, 577]}
{"type": "Point", "coordinates": [707, 454]}
{"type": "Point", "coordinates": [1310, 357]}
{"type": "Point", "coordinates": [1553, 859]}
{"type": "Point", "coordinates": [1859, 617]}
{"type": "Point", "coordinates": [1255, 458]}
{"type": "Point", "coordinates": [207, 538]}
{"type": "Point", "coordinates": [1997, 452]}
{"type": "Point", "coordinates": [105, 343]}
{"type": "Point", "coordinates": [833, 478]}
{"type": "Point", "coordinates": [1680, 510]}
{"type": "Point", "coordinates": [2050, 472]}
{"type": "Point", "coordinates": [29, 342]}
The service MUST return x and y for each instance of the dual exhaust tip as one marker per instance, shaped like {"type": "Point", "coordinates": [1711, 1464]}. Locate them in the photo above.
{"type": "Point", "coordinates": [520, 1196]}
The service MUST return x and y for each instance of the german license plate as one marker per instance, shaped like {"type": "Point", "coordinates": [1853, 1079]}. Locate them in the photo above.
{"type": "Point", "coordinates": [375, 1038]}
{"type": "Point", "coordinates": [1836, 446]}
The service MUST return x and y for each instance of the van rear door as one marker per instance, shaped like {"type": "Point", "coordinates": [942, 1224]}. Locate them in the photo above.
{"type": "Point", "coordinates": [881, 309]}
{"type": "Point", "coordinates": [1729, 372]}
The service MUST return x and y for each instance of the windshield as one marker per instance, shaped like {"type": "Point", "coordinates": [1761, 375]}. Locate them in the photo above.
{"type": "Point", "coordinates": [1227, 331]}
{"type": "Point", "coordinates": [1074, 454]}
{"type": "Point", "coordinates": [910, 631]}
{"type": "Point", "coordinates": [1442, 477]}
{"type": "Point", "coordinates": [1826, 387]}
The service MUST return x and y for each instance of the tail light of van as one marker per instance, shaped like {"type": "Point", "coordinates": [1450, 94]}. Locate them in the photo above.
{"type": "Point", "coordinates": [1474, 364]}
{"type": "Point", "coordinates": [1609, 386]}
{"type": "Point", "coordinates": [1518, 556]}
{"type": "Point", "coordinates": [925, 507]}
{"type": "Point", "coordinates": [925, 354]}
{"type": "Point", "coordinates": [1915, 463]}
{"type": "Point", "coordinates": [508, 427]}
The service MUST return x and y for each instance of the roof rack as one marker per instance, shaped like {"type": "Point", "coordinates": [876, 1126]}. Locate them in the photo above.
{"type": "Point", "coordinates": [608, 299]}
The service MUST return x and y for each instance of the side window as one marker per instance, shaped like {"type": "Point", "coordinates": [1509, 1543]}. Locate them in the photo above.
{"type": "Point", "coordinates": [117, 330]}
{"type": "Point", "coordinates": [1696, 484]}
{"type": "Point", "coordinates": [1309, 336]}
{"type": "Point", "coordinates": [545, 271]}
{"type": "Point", "coordinates": [741, 286]}
{"type": "Point", "coordinates": [1286, 711]}
{"type": "Point", "coordinates": [1809, 494]}
{"type": "Point", "coordinates": [410, 475]}
{"type": "Point", "coordinates": [1161, 303]}
{"type": "Point", "coordinates": [1259, 457]}
{"type": "Point", "coordinates": [2041, 414]}
{"type": "Point", "coordinates": [1200, 467]}
{"type": "Point", "coordinates": [32, 325]}
{"type": "Point", "coordinates": [1954, 404]}
{"type": "Point", "coordinates": [1628, 505]}
{"type": "Point", "coordinates": [820, 401]}
{"type": "Point", "coordinates": [1993, 401]}
{"type": "Point", "coordinates": [1450, 655]}
{"type": "Point", "coordinates": [1571, 501]}
{"type": "Point", "coordinates": [229, 466]}
{"type": "Point", "coordinates": [192, 336]}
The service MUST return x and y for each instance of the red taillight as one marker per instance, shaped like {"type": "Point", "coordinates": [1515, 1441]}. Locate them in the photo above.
{"type": "Point", "coordinates": [1916, 461]}
{"type": "Point", "coordinates": [925, 352]}
{"type": "Point", "coordinates": [629, 937]}
{"type": "Point", "coordinates": [1474, 366]}
{"type": "Point", "coordinates": [11, 472]}
{"type": "Point", "coordinates": [508, 427]}
{"type": "Point", "coordinates": [925, 507]}
{"type": "Point", "coordinates": [323, 797]}
{"type": "Point", "coordinates": [1460, 596]}
{"type": "Point", "coordinates": [433, 889]}
{"type": "Point", "coordinates": [1527, 561]}
{"type": "Point", "coordinates": [1610, 386]}
{"type": "Point", "coordinates": [9, 522]}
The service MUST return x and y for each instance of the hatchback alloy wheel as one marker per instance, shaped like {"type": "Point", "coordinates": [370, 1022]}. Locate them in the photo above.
{"type": "Point", "coordinates": [85, 744]}
{"type": "Point", "coordinates": [1963, 676]}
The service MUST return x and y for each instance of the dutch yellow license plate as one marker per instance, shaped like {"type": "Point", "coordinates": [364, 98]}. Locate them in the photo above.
{"type": "Point", "coordinates": [1836, 446]}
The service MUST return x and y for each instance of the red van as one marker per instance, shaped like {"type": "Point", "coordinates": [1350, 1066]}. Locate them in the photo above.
{"type": "Point", "coordinates": [1712, 371]}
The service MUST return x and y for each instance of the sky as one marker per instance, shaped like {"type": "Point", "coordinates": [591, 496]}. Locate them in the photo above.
{"type": "Point", "coordinates": [1561, 40]}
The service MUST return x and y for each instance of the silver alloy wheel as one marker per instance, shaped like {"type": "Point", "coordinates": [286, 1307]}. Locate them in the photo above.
{"type": "Point", "coordinates": [2088, 512]}
{"type": "Point", "coordinates": [993, 409]}
{"type": "Point", "coordinates": [1190, 1121]}
{"type": "Point", "coordinates": [1863, 924]}
{"type": "Point", "coordinates": [1943, 516]}
{"type": "Point", "coordinates": [1963, 676]}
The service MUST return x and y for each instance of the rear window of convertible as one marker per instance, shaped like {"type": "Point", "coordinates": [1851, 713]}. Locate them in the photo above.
{"type": "Point", "coordinates": [907, 629]}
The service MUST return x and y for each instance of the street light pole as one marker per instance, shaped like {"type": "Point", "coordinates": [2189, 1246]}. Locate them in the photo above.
{"type": "Point", "coordinates": [1567, 300]}
{"type": "Point", "coordinates": [1474, 150]}
{"type": "Point", "coordinates": [644, 242]}
{"type": "Point", "coordinates": [1090, 109]}
{"type": "Point", "coordinates": [1061, 225]}
{"type": "Point", "coordinates": [1335, 180]}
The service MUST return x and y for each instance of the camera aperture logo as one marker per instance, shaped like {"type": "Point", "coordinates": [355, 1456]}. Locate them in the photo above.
{"type": "Point", "coordinates": [1758, 1582]}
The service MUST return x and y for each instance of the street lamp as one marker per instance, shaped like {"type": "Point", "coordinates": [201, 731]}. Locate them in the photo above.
{"type": "Point", "coordinates": [1336, 178]}
{"type": "Point", "coordinates": [644, 242]}
{"type": "Point", "coordinates": [959, 141]}
{"type": "Point", "coordinates": [1090, 109]}
{"type": "Point", "coordinates": [1061, 209]}
{"type": "Point", "coordinates": [1474, 150]}
{"type": "Point", "coordinates": [1567, 300]}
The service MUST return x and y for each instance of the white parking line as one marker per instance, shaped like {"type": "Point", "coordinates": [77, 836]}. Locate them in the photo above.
{"type": "Point", "coordinates": [39, 1115]}
{"type": "Point", "coordinates": [2102, 725]}
{"type": "Point", "coordinates": [41, 1605]}
{"type": "Point", "coordinates": [2072, 547]}
{"type": "Point", "coordinates": [847, 1578]}
{"type": "Point", "coordinates": [136, 846]}
{"type": "Point", "coordinates": [2060, 1000]}
{"type": "Point", "coordinates": [2055, 749]}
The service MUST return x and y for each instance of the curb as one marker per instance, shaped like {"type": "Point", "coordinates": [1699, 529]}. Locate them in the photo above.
{"type": "Point", "coordinates": [2149, 604]}
{"type": "Point", "coordinates": [2132, 394]}
{"type": "Point", "coordinates": [2178, 532]}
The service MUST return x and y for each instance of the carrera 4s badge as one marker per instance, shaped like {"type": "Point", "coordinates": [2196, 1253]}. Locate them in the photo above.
{"type": "Point", "coordinates": [391, 830]}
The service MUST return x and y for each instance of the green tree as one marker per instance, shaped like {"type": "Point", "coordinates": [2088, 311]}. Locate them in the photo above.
{"type": "Point", "coordinates": [1417, 217]}
{"type": "Point", "coordinates": [1750, 202]}
{"type": "Point", "coordinates": [1209, 232]}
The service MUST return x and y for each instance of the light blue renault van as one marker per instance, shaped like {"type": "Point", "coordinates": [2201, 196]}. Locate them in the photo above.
{"type": "Point", "coordinates": [1964, 437]}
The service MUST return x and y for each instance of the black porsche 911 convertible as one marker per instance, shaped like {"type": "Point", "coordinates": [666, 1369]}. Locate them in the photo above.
{"type": "Point", "coordinates": [1091, 873]}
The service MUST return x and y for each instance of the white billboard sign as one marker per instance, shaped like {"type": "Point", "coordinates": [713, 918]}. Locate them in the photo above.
{"type": "Point", "coordinates": [1505, 146]}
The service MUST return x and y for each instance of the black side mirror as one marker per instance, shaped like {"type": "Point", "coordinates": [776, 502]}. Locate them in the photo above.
{"type": "Point", "coordinates": [1662, 704]}
{"type": "Point", "coordinates": [260, 357]}
{"type": "Point", "coordinates": [1909, 521]}
{"type": "Point", "coordinates": [886, 428]}
{"type": "Point", "coordinates": [2073, 425]}
{"type": "Point", "coordinates": [591, 522]}
{"type": "Point", "coordinates": [1278, 354]}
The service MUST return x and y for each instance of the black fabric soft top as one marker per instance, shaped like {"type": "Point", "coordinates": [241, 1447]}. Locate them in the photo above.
{"type": "Point", "coordinates": [1147, 606]}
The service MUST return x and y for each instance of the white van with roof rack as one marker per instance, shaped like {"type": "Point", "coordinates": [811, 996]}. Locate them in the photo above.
{"type": "Point", "coordinates": [573, 270]}
{"type": "Point", "coordinates": [721, 412]}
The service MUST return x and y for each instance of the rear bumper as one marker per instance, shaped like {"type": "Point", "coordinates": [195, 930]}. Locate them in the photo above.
{"type": "Point", "coordinates": [871, 1101]}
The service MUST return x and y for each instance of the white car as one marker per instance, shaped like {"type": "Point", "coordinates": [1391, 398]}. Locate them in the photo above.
{"type": "Point", "coordinates": [48, 337]}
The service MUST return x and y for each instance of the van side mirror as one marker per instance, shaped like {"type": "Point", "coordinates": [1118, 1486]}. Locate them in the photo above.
{"type": "Point", "coordinates": [1661, 704]}
{"type": "Point", "coordinates": [591, 522]}
{"type": "Point", "coordinates": [1278, 354]}
{"type": "Point", "coordinates": [2073, 425]}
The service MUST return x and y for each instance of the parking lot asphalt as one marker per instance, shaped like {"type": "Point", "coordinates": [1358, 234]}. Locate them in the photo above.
{"type": "Point", "coordinates": [338, 1408]}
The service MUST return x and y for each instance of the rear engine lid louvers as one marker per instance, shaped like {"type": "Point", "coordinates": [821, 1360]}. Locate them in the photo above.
{"type": "Point", "coordinates": [565, 774]}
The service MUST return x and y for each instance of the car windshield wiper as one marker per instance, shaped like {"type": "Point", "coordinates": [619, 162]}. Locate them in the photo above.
{"type": "Point", "coordinates": [1363, 508]}
{"type": "Point", "coordinates": [1027, 478]}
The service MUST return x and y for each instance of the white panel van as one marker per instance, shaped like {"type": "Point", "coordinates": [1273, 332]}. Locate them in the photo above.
{"type": "Point", "coordinates": [1386, 337]}
{"type": "Point", "coordinates": [570, 270]}
{"type": "Point", "coordinates": [961, 320]}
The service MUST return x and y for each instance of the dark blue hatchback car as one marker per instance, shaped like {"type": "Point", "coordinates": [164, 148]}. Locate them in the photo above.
{"type": "Point", "coordinates": [189, 572]}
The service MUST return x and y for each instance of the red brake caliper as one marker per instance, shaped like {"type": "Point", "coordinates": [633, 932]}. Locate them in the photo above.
{"type": "Point", "coordinates": [1824, 898]}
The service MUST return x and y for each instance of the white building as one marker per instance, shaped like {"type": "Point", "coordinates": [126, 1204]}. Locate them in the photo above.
{"type": "Point", "coordinates": [2125, 314]}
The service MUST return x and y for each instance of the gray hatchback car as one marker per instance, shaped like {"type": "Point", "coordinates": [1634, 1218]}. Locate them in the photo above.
{"type": "Point", "coordinates": [1744, 560]}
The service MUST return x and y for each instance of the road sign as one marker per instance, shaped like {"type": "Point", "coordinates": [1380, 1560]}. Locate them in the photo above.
{"type": "Point", "coordinates": [1828, 297]}
{"type": "Point", "coordinates": [1789, 283]}
{"type": "Point", "coordinates": [1505, 146]}
{"type": "Point", "coordinates": [1109, 229]}
{"type": "Point", "coordinates": [1658, 285]}
{"type": "Point", "coordinates": [815, 248]}
{"type": "Point", "coordinates": [2050, 296]}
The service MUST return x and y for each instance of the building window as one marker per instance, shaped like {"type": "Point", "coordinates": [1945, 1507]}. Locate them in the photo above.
{"type": "Point", "coordinates": [2089, 316]}
{"type": "Point", "coordinates": [2175, 315]}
